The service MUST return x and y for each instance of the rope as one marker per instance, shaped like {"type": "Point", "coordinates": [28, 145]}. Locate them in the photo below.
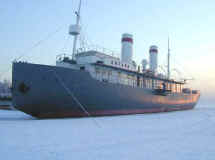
{"type": "Point", "coordinates": [65, 45]}
{"type": "Point", "coordinates": [31, 48]}
{"type": "Point", "coordinates": [186, 70]}
{"type": "Point", "coordinates": [73, 96]}
{"type": "Point", "coordinates": [39, 42]}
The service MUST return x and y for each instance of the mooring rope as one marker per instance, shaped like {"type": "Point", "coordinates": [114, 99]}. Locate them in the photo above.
{"type": "Point", "coordinates": [27, 51]}
{"type": "Point", "coordinates": [74, 97]}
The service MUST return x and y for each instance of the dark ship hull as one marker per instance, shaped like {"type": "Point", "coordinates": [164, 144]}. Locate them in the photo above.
{"type": "Point", "coordinates": [55, 92]}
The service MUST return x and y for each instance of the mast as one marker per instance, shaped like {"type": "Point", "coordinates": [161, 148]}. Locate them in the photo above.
{"type": "Point", "coordinates": [74, 30]}
{"type": "Point", "coordinates": [168, 61]}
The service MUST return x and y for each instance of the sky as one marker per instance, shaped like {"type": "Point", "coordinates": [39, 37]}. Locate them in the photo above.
{"type": "Point", "coordinates": [38, 31]}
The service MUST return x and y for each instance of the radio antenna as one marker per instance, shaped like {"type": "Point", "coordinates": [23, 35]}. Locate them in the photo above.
{"type": "Point", "coordinates": [168, 61]}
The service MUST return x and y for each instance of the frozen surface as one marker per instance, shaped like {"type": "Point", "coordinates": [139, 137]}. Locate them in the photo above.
{"type": "Point", "coordinates": [184, 135]}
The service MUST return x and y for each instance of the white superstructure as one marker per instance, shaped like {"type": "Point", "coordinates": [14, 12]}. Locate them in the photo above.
{"type": "Point", "coordinates": [93, 56]}
{"type": "Point", "coordinates": [108, 68]}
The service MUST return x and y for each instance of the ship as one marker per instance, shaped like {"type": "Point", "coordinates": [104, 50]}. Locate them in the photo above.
{"type": "Point", "coordinates": [91, 82]}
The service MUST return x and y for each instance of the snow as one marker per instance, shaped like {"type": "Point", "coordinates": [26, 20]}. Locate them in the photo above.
{"type": "Point", "coordinates": [183, 135]}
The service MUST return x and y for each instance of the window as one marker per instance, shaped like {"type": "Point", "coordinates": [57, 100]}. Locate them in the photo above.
{"type": "Point", "coordinates": [82, 68]}
{"type": "Point", "coordinates": [111, 62]}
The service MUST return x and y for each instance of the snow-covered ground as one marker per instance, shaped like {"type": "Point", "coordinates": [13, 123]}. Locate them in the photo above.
{"type": "Point", "coordinates": [184, 135]}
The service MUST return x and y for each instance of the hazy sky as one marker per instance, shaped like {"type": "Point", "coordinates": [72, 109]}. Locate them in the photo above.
{"type": "Point", "coordinates": [190, 25]}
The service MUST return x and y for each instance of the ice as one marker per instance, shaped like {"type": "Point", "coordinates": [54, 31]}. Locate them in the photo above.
{"type": "Point", "coordinates": [183, 135]}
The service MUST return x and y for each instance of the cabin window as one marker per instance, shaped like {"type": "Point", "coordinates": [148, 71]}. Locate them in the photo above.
{"type": "Point", "coordinates": [111, 62]}
{"type": "Point", "coordinates": [82, 68]}
{"type": "Point", "coordinates": [100, 62]}
{"type": "Point", "coordinates": [115, 63]}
